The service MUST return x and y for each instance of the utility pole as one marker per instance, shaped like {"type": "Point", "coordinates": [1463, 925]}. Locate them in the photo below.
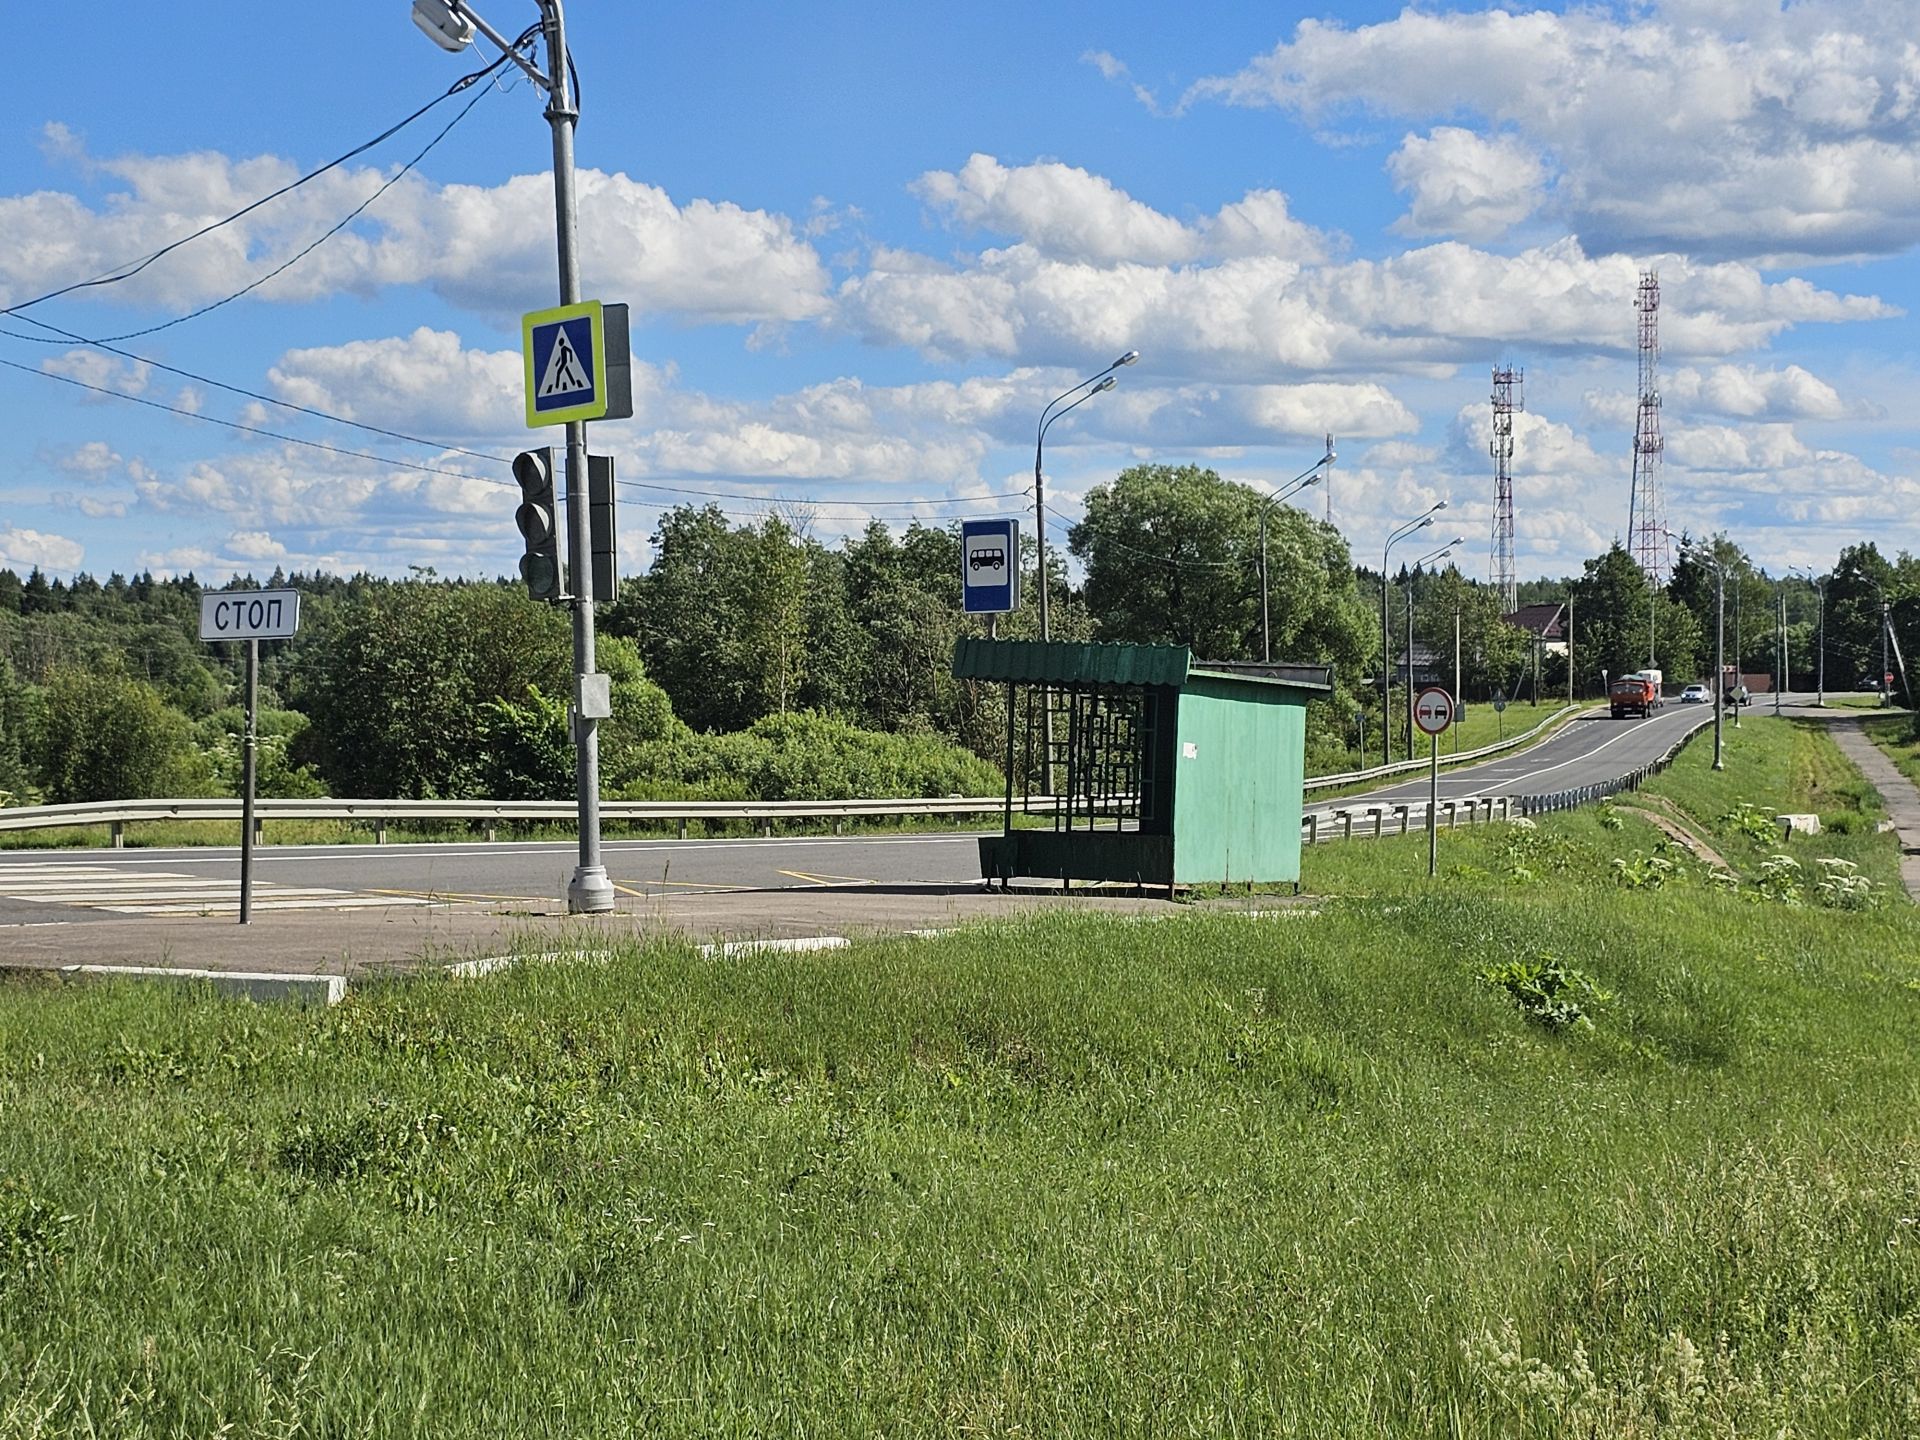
{"type": "Point", "coordinates": [450, 24]}
{"type": "Point", "coordinates": [1719, 659]}
{"type": "Point", "coordinates": [1780, 651]}
{"type": "Point", "coordinates": [1569, 649]}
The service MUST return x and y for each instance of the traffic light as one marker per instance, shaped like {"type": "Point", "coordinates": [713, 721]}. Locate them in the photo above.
{"type": "Point", "coordinates": [539, 523]}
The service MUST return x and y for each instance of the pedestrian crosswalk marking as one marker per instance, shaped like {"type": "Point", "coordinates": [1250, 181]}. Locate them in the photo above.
{"type": "Point", "coordinates": [102, 887]}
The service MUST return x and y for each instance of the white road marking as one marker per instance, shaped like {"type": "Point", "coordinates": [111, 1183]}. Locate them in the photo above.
{"type": "Point", "coordinates": [146, 892]}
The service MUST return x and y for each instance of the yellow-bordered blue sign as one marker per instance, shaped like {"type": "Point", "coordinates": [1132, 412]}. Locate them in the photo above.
{"type": "Point", "coordinates": [565, 352]}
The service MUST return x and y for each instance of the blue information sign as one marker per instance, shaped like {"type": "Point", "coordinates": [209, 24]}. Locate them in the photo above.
{"type": "Point", "coordinates": [989, 566]}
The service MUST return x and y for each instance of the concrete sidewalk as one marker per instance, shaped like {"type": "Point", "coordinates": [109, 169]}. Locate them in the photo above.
{"type": "Point", "coordinates": [357, 942]}
{"type": "Point", "coordinates": [1897, 792]}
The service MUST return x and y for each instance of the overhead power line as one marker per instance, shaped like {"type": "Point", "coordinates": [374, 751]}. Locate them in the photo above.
{"type": "Point", "coordinates": [738, 496]}
{"type": "Point", "coordinates": [114, 275]}
{"type": "Point", "coordinates": [249, 429]}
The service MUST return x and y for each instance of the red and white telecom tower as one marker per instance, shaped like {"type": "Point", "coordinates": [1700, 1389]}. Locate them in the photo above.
{"type": "Point", "coordinates": [1646, 507]}
{"type": "Point", "coordinates": [1507, 398]}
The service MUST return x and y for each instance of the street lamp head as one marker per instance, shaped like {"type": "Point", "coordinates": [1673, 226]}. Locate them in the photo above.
{"type": "Point", "coordinates": [1106, 384]}
{"type": "Point", "coordinates": [1438, 505]}
{"type": "Point", "coordinates": [1126, 359]}
{"type": "Point", "coordinates": [444, 24]}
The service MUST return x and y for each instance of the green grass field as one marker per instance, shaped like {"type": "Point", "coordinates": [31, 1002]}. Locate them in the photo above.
{"type": "Point", "coordinates": [1307, 1175]}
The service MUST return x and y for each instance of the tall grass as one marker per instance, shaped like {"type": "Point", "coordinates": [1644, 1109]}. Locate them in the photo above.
{"type": "Point", "coordinates": [1312, 1176]}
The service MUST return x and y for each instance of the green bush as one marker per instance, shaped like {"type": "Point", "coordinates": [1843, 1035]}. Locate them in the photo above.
{"type": "Point", "coordinates": [805, 756]}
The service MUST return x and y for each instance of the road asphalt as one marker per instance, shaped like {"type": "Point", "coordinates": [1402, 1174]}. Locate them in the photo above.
{"type": "Point", "coordinates": [407, 931]}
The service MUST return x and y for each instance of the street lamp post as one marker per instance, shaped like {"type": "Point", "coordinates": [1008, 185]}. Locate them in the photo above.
{"type": "Point", "coordinates": [1104, 380]}
{"type": "Point", "coordinates": [1719, 648]}
{"type": "Point", "coordinates": [1819, 634]}
{"type": "Point", "coordinates": [451, 25]}
{"type": "Point", "coordinates": [1427, 559]}
{"type": "Point", "coordinates": [1302, 481]}
{"type": "Point", "coordinates": [1092, 386]}
{"type": "Point", "coordinates": [1780, 677]}
{"type": "Point", "coordinates": [1419, 522]}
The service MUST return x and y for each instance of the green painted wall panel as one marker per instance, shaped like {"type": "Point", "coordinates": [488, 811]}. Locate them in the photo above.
{"type": "Point", "coordinates": [1239, 762]}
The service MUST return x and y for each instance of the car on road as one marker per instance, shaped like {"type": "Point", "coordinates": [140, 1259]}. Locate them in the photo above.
{"type": "Point", "coordinates": [1695, 695]}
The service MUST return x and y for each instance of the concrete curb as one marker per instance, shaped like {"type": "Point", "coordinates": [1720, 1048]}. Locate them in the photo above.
{"type": "Point", "coordinates": [258, 986]}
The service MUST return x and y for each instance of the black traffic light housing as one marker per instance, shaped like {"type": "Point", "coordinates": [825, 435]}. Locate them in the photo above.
{"type": "Point", "coordinates": [539, 522]}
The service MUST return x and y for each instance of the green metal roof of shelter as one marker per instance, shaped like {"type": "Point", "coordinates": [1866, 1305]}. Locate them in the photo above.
{"type": "Point", "coordinates": [1066, 662]}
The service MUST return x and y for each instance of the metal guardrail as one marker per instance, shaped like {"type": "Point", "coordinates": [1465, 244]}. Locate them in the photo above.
{"type": "Point", "coordinates": [1388, 818]}
{"type": "Point", "coordinates": [767, 813]}
{"type": "Point", "coordinates": [1407, 767]}
{"type": "Point", "coordinates": [120, 813]}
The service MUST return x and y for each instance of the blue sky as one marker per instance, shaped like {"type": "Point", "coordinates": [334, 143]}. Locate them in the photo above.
{"type": "Point", "coordinates": [864, 245]}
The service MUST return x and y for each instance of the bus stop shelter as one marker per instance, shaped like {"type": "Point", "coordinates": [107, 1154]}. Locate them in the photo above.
{"type": "Point", "coordinates": [1153, 768]}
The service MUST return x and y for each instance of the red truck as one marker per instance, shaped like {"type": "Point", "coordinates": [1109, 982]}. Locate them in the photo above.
{"type": "Point", "coordinates": [1630, 695]}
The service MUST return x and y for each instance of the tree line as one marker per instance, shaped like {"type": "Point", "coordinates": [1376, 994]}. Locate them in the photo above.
{"type": "Point", "coordinates": [755, 660]}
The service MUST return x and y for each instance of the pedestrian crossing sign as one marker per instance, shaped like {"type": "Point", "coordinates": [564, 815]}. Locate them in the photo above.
{"type": "Point", "coordinates": [565, 350]}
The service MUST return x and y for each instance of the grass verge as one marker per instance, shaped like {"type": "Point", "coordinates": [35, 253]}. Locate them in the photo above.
{"type": "Point", "coordinates": [1550, 1147]}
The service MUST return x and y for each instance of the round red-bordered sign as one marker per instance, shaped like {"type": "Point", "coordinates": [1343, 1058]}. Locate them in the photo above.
{"type": "Point", "coordinates": [1433, 710]}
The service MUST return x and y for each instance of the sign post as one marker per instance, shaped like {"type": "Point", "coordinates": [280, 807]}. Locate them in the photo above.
{"type": "Point", "coordinates": [577, 363]}
{"type": "Point", "coordinates": [252, 616]}
{"type": "Point", "coordinates": [1433, 713]}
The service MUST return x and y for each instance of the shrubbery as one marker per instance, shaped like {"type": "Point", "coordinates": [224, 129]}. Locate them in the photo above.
{"type": "Point", "coordinates": [806, 756]}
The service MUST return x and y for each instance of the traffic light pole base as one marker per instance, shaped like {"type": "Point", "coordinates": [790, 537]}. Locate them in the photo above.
{"type": "Point", "coordinates": [589, 892]}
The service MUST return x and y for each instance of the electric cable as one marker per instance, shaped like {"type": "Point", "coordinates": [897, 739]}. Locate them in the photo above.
{"type": "Point", "coordinates": [281, 269]}
{"type": "Point", "coordinates": [861, 506]}
{"type": "Point", "coordinates": [115, 274]}
{"type": "Point", "coordinates": [249, 429]}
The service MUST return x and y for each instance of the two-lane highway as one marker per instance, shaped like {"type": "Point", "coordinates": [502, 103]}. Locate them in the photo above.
{"type": "Point", "coordinates": [1588, 750]}
{"type": "Point", "coordinates": [39, 887]}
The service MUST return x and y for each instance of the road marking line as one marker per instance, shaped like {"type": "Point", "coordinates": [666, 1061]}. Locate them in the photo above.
{"type": "Point", "coordinates": [827, 880]}
{"type": "Point", "coordinates": [222, 907]}
{"type": "Point", "coordinates": [432, 896]}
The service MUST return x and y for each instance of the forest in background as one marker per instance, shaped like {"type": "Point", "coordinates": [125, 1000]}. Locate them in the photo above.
{"type": "Point", "coordinates": [754, 661]}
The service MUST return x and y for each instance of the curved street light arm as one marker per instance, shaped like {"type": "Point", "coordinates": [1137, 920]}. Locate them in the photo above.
{"type": "Point", "coordinates": [1047, 416]}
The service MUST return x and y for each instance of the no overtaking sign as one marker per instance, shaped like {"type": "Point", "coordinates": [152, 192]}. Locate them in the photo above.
{"type": "Point", "coordinates": [1433, 710]}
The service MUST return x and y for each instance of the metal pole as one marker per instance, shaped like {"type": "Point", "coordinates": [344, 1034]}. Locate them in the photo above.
{"type": "Point", "coordinates": [1779, 651]}
{"type": "Point", "coordinates": [1719, 661]}
{"type": "Point", "coordinates": [1786, 650]}
{"type": "Point", "coordinates": [247, 761]}
{"type": "Point", "coordinates": [1386, 669]}
{"type": "Point", "coordinates": [1569, 649]}
{"type": "Point", "coordinates": [1456, 677]}
{"type": "Point", "coordinates": [1886, 625]}
{"type": "Point", "coordinates": [588, 891]}
{"type": "Point", "coordinates": [1433, 809]}
{"type": "Point", "coordinates": [1409, 667]}
{"type": "Point", "coordinates": [1266, 634]}
{"type": "Point", "coordinates": [1820, 660]}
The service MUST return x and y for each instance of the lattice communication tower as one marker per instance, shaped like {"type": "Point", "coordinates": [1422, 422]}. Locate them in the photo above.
{"type": "Point", "coordinates": [1646, 507]}
{"type": "Point", "coordinates": [1507, 398]}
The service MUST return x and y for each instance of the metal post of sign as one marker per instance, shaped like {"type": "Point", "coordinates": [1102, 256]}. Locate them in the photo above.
{"type": "Point", "coordinates": [1433, 809]}
{"type": "Point", "coordinates": [588, 891]}
{"type": "Point", "coordinates": [247, 761]}
{"type": "Point", "coordinates": [252, 616]}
